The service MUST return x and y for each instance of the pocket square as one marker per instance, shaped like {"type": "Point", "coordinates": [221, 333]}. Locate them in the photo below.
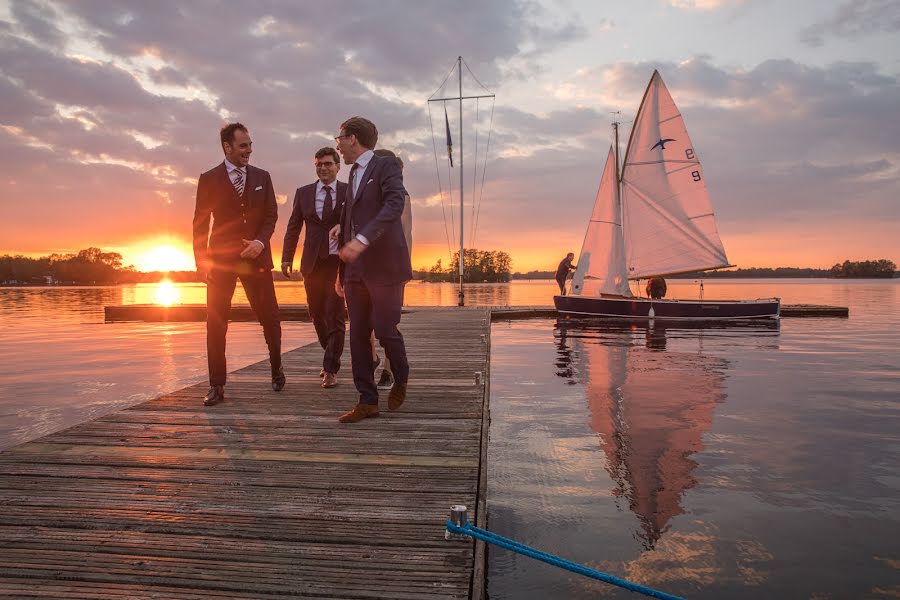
{"type": "Point", "coordinates": [259, 187]}
{"type": "Point", "coordinates": [369, 181]}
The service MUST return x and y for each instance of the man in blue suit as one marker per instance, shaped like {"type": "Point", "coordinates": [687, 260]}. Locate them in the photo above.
{"type": "Point", "coordinates": [376, 263]}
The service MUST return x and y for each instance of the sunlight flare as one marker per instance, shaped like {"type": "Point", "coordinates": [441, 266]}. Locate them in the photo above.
{"type": "Point", "coordinates": [164, 258]}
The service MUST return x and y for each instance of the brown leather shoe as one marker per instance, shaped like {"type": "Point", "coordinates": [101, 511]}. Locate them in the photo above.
{"type": "Point", "coordinates": [322, 373]}
{"type": "Point", "coordinates": [396, 396]}
{"type": "Point", "coordinates": [215, 395]}
{"type": "Point", "coordinates": [330, 380]}
{"type": "Point", "coordinates": [360, 411]}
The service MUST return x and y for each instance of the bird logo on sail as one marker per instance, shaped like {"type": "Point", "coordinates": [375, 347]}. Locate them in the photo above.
{"type": "Point", "coordinates": [662, 143]}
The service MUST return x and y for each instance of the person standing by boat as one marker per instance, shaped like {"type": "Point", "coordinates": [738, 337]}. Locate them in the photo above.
{"type": "Point", "coordinates": [562, 272]}
{"type": "Point", "coordinates": [240, 200]}
{"type": "Point", "coordinates": [318, 206]}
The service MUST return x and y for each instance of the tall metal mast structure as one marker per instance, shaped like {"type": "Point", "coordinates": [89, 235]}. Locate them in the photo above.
{"type": "Point", "coordinates": [460, 97]}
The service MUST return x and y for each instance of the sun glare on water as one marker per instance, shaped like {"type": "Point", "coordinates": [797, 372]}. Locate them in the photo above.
{"type": "Point", "coordinates": [166, 294]}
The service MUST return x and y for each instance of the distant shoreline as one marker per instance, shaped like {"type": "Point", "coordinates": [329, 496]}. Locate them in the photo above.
{"type": "Point", "coordinates": [547, 279]}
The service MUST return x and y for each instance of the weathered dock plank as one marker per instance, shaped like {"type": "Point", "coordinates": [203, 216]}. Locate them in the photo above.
{"type": "Point", "coordinates": [265, 495]}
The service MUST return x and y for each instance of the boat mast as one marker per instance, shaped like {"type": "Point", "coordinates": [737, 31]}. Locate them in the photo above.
{"type": "Point", "coordinates": [619, 183]}
{"type": "Point", "coordinates": [462, 252]}
{"type": "Point", "coordinates": [460, 97]}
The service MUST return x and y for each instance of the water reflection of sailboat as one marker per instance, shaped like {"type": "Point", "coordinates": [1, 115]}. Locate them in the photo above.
{"type": "Point", "coordinates": [651, 407]}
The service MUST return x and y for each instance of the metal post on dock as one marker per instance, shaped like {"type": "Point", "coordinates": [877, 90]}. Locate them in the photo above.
{"type": "Point", "coordinates": [459, 518]}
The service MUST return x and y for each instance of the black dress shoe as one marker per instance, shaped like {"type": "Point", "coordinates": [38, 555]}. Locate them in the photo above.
{"type": "Point", "coordinates": [215, 395]}
{"type": "Point", "coordinates": [278, 379]}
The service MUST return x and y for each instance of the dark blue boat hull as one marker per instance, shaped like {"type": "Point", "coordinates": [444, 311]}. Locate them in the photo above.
{"type": "Point", "coordinates": [687, 310]}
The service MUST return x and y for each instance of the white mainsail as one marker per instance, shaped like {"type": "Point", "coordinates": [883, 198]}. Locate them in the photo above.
{"type": "Point", "coordinates": [669, 223]}
{"type": "Point", "coordinates": [601, 266]}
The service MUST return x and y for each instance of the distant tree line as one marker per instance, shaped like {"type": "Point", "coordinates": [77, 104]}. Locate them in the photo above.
{"type": "Point", "coordinates": [866, 269]}
{"type": "Point", "coordinates": [480, 266]}
{"type": "Point", "coordinates": [882, 269]}
{"type": "Point", "coordinates": [91, 266]}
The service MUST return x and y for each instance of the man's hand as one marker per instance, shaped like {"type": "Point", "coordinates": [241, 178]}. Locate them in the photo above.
{"type": "Point", "coordinates": [335, 233]}
{"type": "Point", "coordinates": [351, 250]}
{"type": "Point", "coordinates": [203, 269]}
{"type": "Point", "coordinates": [338, 287]}
{"type": "Point", "coordinates": [252, 248]}
{"type": "Point", "coordinates": [286, 269]}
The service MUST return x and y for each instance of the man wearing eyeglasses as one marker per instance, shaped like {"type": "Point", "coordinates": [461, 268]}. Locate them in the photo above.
{"type": "Point", "coordinates": [319, 206]}
{"type": "Point", "coordinates": [376, 263]}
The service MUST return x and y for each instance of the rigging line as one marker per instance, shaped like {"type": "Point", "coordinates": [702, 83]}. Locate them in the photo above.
{"type": "Point", "coordinates": [475, 78]}
{"type": "Point", "coordinates": [444, 81]}
{"type": "Point", "coordinates": [484, 169]}
{"type": "Point", "coordinates": [474, 180]}
{"type": "Point", "coordinates": [440, 188]}
{"type": "Point", "coordinates": [450, 185]}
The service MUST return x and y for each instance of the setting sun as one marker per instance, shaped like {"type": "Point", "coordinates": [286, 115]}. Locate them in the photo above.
{"type": "Point", "coordinates": [166, 294]}
{"type": "Point", "coordinates": [164, 258]}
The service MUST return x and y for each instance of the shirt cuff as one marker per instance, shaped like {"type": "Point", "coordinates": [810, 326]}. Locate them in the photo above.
{"type": "Point", "coordinates": [261, 245]}
{"type": "Point", "coordinates": [362, 239]}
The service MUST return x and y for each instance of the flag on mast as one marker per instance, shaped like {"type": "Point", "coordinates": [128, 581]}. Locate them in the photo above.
{"type": "Point", "coordinates": [449, 139]}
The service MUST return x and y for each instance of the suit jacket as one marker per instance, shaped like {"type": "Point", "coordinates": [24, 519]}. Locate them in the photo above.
{"type": "Point", "coordinates": [375, 214]}
{"type": "Point", "coordinates": [316, 230]}
{"type": "Point", "coordinates": [250, 217]}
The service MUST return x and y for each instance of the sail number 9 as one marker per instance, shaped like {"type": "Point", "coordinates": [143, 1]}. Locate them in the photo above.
{"type": "Point", "coordinates": [696, 175]}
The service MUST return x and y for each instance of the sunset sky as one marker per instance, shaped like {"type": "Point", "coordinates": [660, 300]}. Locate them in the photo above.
{"type": "Point", "coordinates": [109, 111]}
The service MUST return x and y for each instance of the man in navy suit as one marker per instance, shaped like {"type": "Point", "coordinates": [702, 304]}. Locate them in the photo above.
{"type": "Point", "coordinates": [319, 206]}
{"type": "Point", "coordinates": [241, 201]}
{"type": "Point", "coordinates": [376, 263]}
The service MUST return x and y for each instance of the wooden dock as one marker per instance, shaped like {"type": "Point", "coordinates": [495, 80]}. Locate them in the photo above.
{"type": "Point", "coordinates": [299, 312]}
{"type": "Point", "coordinates": [265, 495]}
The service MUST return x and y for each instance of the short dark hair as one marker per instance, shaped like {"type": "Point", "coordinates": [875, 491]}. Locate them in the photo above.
{"type": "Point", "coordinates": [227, 132]}
{"type": "Point", "coordinates": [329, 151]}
{"type": "Point", "coordinates": [386, 152]}
{"type": "Point", "coordinates": [365, 131]}
{"type": "Point", "coordinates": [571, 254]}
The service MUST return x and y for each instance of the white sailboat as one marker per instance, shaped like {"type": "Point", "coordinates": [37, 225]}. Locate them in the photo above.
{"type": "Point", "coordinates": [653, 218]}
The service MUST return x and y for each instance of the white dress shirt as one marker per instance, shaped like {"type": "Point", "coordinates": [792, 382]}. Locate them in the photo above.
{"type": "Point", "coordinates": [320, 207]}
{"type": "Point", "coordinates": [363, 162]}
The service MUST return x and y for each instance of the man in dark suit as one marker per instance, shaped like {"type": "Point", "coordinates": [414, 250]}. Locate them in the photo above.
{"type": "Point", "coordinates": [319, 205]}
{"type": "Point", "coordinates": [376, 263]}
{"type": "Point", "coordinates": [241, 201]}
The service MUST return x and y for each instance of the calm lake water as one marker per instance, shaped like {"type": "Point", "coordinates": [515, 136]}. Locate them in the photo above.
{"type": "Point", "coordinates": [746, 462]}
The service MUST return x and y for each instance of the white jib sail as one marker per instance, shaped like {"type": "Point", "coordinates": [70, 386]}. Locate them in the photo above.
{"type": "Point", "coordinates": [669, 222]}
{"type": "Point", "coordinates": [601, 266]}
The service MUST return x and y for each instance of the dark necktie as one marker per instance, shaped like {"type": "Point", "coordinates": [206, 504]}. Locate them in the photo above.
{"type": "Point", "coordinates": [348, 205]}
{"type": "Point", "coordinates": [327, 212]}
{"type": "Point", "coordinates": [328, 208]}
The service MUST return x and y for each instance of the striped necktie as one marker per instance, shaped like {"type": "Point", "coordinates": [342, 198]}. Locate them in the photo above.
{"type": "Point", "coordinates": [238, 182]}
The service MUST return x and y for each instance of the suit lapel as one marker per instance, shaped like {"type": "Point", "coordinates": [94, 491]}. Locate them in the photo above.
{"type": "Point", "coordinates": [340, 196]}
{"type": "Point", "coordinates": [364, 178]}
{"type": "Point", "coordinates": [249, 184]}
{"type": "Point", "coordinates": [225, 180]}
{"type": "Point", "coordinates": [310, 199]}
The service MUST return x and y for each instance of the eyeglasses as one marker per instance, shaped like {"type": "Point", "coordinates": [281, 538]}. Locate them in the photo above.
{"type": "Point", "coordinates": [338, 138]}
